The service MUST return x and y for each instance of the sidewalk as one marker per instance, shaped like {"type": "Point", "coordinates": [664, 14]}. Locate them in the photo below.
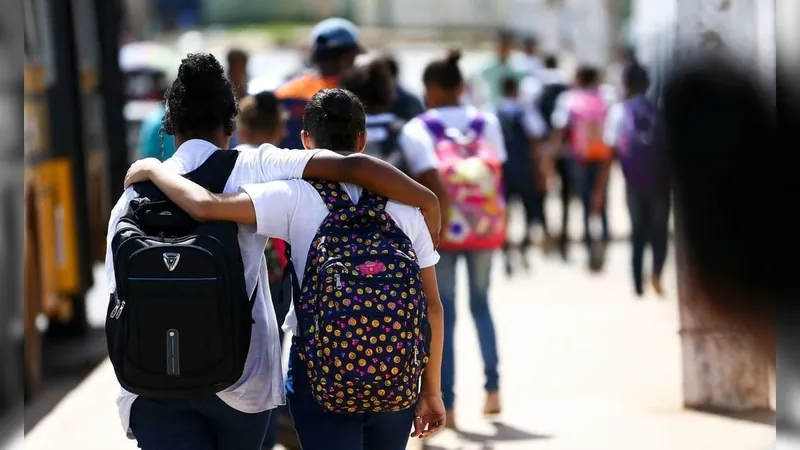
{"type": "Point", "coordinates": [584, 366]}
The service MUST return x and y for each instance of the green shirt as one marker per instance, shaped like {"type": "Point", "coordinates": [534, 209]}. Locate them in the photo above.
{"type": "Point", "coordinates": [492, 77]}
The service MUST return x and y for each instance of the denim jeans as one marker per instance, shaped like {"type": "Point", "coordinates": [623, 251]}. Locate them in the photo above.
{"type": "Point", "coordinates": [198, 424]}
{"type": "Point", "coordinates": [587, 175]}
{"type": "Point", "coordinates": [320, 429]}
{"type": "Point", "coordinates": [479, 269]}
{"type": "Point", "coordinates": [649, 211]}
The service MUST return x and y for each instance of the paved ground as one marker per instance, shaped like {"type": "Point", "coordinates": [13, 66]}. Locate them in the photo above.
{"type": "Point", "coordinates": [584, 365]}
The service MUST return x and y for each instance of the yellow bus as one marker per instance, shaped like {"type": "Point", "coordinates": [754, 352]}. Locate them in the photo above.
{"type": "Point", "coordinates": [75, 158]}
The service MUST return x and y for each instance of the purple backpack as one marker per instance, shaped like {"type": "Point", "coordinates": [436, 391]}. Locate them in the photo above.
{"type": "Point", "coordinates": [642, 163]}
{"type": "Point", "coordinates": [362, 313]}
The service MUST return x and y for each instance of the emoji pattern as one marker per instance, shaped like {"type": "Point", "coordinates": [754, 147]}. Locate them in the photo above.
{"type": "Point", "coordinates": [362, 312]}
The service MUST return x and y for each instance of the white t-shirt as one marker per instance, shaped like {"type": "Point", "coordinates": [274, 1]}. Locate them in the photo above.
{"type": "Point", "coordinates": [261, 386]}
{"type": "Point", "coordinates": [416, 139]}
{"type": "Point", "coordinates": [293, 211]}
{"type": "Point", "coordinates": [615, 120]}
{"type": "Point", "coordinates": [532, 86]}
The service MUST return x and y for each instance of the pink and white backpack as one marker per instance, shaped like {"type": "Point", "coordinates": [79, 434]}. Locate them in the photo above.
{"type": "Point", "coordinates": [587, 120]}
{"type": "Point", "coordinates": [473, 176]}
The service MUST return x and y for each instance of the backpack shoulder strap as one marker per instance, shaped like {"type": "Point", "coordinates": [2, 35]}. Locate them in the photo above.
{"type": "Point", "coordinates": [332, 194]}
{"type": "Point", "coordinates": [478, 124]}
{"type": "Point", "coordinates": [434, 125]}
{"type": "Point", "coordinates": [213, 174]}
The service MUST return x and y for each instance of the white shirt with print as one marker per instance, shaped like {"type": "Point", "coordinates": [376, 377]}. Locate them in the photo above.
{"type": "Point", "coordinates": [416, 139]}
{"type": "Point", "coordinates": [293, 211]}
{"type": "Point", "coordinates": [261, 385]}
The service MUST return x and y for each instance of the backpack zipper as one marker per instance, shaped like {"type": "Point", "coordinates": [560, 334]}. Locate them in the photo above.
{"type": "Point", "coordinates": [119, 305]}
{"type": "Point", "coordinates": [338, 278]}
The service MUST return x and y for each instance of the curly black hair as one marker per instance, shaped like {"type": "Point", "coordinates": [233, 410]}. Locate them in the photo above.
{"type": "Point", "coordinates": [335, 118]}
{"type": "Point", "coordinates": [201, 98]}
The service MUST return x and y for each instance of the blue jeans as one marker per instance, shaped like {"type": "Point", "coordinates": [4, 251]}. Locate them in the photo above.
{"type": "Point", "coordinates": [198, 424]}
{"type": "Point", "coordinates": [587, 175]}
{"type": "Point", "coordinates": [320, 429]}
{"type": "Point", "coordinates": [479, 269]}
{"type": "Point", "coordinates": [649, 211]}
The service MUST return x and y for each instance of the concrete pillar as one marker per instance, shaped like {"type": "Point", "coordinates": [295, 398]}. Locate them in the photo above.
{"type": "Point", "coordinates": [722, 369]}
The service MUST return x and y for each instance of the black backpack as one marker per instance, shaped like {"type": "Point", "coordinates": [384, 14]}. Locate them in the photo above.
{"type": "Point", "coordinates": [547, 101]}
{"type": "Point", "coordinates": [179, 323]}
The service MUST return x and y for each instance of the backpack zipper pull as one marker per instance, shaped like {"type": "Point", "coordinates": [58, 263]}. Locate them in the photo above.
{"type": "Point", "coordinates": [416, 355]}
{"type": "Point", "coordinates": [338, 279]}
{"type": "Point", "coordinates": [121, 307]}
{"type": "Point", "coordinates": [116, 307]}
{"type": "Point", "coordinates": [316, 324]}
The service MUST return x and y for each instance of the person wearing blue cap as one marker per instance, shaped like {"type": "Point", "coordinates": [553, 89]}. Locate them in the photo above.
{"type": "Point", "coordinates": [334, 47]}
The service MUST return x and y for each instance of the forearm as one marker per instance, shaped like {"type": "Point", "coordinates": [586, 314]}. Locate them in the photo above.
{"type": "Point", "coordinates": [432, 181]}
{"type": "Point", "coordinates": [432, 377]}
{"type": "Point", "coordinates": [604, 175]}
{"type": "Point", "coordinates": [189, 196]}
{"type": "Point", "coordinates": [373, 175]}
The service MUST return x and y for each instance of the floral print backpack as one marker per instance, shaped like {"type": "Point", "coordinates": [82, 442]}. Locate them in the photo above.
{"type": "Point", "coordinates": [362, 313]}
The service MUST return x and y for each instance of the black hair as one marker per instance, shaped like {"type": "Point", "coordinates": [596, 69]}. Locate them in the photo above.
{"type": "Point", "coordinates": [201, 98]}
{"type": "Point", "coordinates": [445, 73]}
{"type": "Point", "coordinates": [510, 86]}
{"type": "Point", "coordinates": [551, 61]}
{"type": "Point", "coordinates": [587, 75]}
{"type": "Point", "coordinates": [635, 78]}
{"type": "Point", "coordinates": [530, 41]}
{"type": "Point", "coordinates": [391, 63]}
{"type": "Point", "coordinates": [236, 55]}
{"type": "Point", "coordinates": [373, 85]}
{"type": "Point", "coordinates": [329, 60]}
{"type": "Point", "coordinates": [261, 112]}
{"type": "Point", "coordinates": [334, 118]}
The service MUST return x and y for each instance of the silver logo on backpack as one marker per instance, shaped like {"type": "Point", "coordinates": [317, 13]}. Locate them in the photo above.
{"type": "Point", "coordinates": [171, 260]}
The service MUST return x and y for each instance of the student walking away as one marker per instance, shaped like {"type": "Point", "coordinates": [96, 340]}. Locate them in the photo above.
{"type": "Point", "coordinates": [406, 105]}
{"type": "Point", "coordinates": [334, 47]}
{"type": "Point", "coordinates": [581, 113]}
{"type": "Point", "coordinates": [367, 319]}
{"type": "Point", "coordinates": [470, 150]}
{"type": "Point", "coordinates": [630, 130]}
{"type": "Point", "coordinates": [486, 89]}
{"type": "Point", "coordinates": [154, 142]}
{"type": "Point", "coordinates": [531, 62]}
{"type": "Point", "coordinates": [207, 380]}
{"type": "Point", "coordinates": [544, 95]}
{"type": "Point", "coordinates": [262, 121]}
{"type": "Point", "coordinates": [523, 129]}
{"type": "Point", "coordinates": [373, 84]}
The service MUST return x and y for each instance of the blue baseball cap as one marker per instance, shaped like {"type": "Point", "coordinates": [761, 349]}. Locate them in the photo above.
{"type": "Point", "coordinates": [334, 33]}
